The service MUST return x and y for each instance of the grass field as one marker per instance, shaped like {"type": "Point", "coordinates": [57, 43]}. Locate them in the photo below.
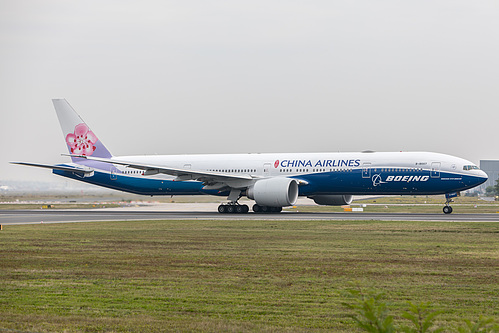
{"type": "Point", "coordinates": [237, 276]}
{"type": "Point", "coordinates": [413, 204]}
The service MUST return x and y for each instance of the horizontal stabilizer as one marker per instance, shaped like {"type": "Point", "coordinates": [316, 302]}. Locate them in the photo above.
{"type": "Point", "coordinates": [85, 171]}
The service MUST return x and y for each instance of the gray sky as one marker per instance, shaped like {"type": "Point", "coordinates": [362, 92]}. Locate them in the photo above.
{"type": "Point", "coordinates": [173, 77]}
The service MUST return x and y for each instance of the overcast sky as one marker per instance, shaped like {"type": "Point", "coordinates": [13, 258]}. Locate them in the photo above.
{"type": "Point", "coordinates": [175, 77]}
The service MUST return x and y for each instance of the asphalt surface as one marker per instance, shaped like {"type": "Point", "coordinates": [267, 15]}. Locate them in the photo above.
{"type": "Point", "coordinates": [10, 217]}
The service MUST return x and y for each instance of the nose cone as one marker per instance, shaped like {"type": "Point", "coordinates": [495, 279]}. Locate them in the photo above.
{"type": "Point", "coordinates": [479, 177]}
{"type": "Point", "coordinates": [483, 176]}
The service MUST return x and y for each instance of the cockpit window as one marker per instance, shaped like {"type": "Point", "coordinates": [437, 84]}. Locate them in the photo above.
{"type": "Point", "coordinates": [470, 167]}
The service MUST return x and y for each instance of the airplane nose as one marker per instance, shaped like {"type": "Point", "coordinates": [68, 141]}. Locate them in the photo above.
{"type": "Point", "coordinates": [481, 177]}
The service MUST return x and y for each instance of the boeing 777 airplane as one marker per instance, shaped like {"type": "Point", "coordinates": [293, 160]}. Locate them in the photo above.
{"type": "Point", "coordinates": [273, 181]}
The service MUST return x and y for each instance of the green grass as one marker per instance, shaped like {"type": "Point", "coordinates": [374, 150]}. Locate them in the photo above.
{"type": "Point", "coordinates": [412, 209]}
{"type": "Point", "coordinates": [412, 204]}
{"type": "Point", "coordinates": [239, 275]}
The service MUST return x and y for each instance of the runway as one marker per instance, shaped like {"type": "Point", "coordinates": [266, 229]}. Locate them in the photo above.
{"type": "Point", "coordinates": [16, 217]}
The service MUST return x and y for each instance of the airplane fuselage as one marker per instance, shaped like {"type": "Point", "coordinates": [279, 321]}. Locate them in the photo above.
{"type": "Point", "coordinates": [389, 173]}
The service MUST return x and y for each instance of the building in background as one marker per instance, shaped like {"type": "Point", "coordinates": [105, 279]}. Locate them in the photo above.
{"type": "Point", "coordinates": [491, 168]}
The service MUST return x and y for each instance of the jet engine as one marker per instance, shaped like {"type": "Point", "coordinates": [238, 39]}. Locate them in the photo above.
{"type": "Point", "coordinates": [274, 192]}
{"type": "Point", "coordinates": [332, 200]}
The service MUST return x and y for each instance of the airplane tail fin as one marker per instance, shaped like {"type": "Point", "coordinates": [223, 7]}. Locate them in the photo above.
{"type": "Point", "coordinates": [78, 136]}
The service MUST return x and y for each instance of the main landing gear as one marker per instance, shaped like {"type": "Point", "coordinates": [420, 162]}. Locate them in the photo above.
{"type": "Point", "coordinates": [233, 207]}
{"type": "Point", "coordinates": [236, 208]}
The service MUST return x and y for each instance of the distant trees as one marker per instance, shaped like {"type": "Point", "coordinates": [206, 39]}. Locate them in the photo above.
{"type": "Point", "coordinates": [492, 191]}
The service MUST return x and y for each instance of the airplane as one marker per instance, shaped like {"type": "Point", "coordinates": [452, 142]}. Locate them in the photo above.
{"type": "Point", "coordinates": [273, 181]}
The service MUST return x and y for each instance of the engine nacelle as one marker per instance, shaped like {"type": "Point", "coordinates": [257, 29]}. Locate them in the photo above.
{"type": "Point", "coordinates": [333, 200]}
{"type": "Point", "coordinates": [274, 192]}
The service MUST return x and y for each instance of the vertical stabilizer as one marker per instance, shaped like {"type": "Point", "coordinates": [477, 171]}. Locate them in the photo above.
{"type": "Point", "coordinates": [78, 136]}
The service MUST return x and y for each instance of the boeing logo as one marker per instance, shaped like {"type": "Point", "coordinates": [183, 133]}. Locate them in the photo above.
{"type": "Point", "coordinates": [377, 180]}
{"type": "Point", "coordinates": [317, 164]}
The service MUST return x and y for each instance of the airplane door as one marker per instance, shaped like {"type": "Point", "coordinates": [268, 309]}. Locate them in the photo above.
{"type": "Point", "coordinates": [435, 170]}
{"type": "Point", "coordinates": [266, 169]}
{"type": "Point", "coordinates": [366, 170]}
{"type": "Point", "coordinates": [114, 171]}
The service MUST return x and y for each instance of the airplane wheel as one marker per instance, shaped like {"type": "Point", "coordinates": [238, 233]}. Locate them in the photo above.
{"type": "Point", "coordinates": [447, 209]}
{"type": "Point", "coordinates": [242, 209]}
{"type": "Point", "coordinates": [222, 209]}
{"type": "Point", "coordinates": [257, 208]}
{"type": "Point", "coordinates": [231, 209]}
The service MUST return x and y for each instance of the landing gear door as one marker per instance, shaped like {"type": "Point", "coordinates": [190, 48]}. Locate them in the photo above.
{"type": "Point", "coordinates": [435, 170]}
{"type": "Point", "coordinates": [366, 170]}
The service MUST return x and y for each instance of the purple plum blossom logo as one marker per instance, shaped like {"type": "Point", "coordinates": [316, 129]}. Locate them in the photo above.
{"type": "Point", "coordinates": [82, 140]}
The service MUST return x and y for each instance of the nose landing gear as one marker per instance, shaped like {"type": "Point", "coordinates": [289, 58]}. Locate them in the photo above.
{"type": "Point", "coordinates": [447, 209]}
{"type": "Point", "coordinates": [448, 196]}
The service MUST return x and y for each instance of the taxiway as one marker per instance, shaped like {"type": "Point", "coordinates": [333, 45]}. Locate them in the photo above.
{"type": "Point", "coordinates": [10, 217]}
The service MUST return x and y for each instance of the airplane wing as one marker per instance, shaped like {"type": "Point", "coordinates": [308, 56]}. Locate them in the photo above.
{"type": "Point", "coordinates": [212, 179]}
{"type": "Point", "coordinates": [84, 171]}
